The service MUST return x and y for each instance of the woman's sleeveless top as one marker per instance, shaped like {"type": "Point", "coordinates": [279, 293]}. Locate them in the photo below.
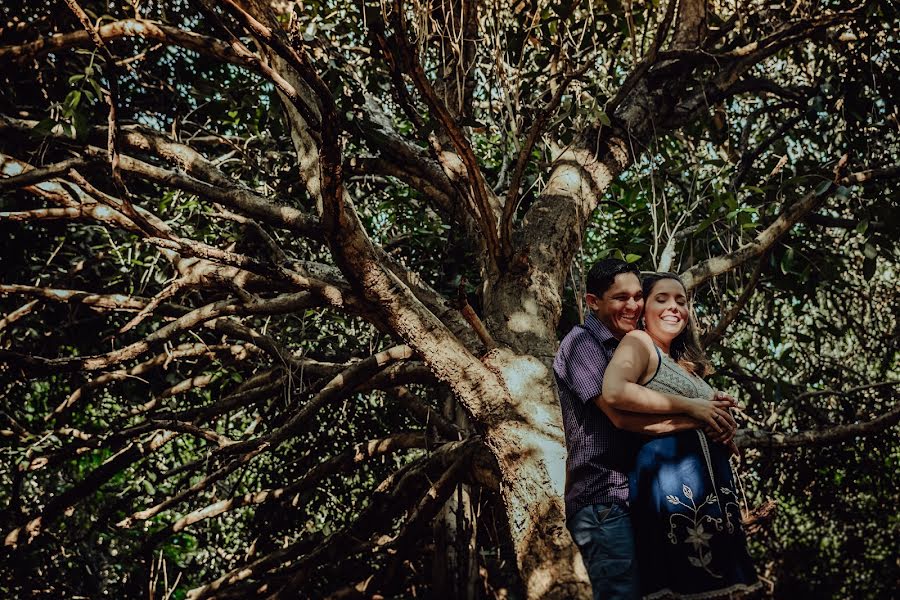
{"type": "Point", "coordinates": [670, 378]}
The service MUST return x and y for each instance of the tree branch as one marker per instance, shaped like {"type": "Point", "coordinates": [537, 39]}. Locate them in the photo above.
{"type": "Point", "coordinates": [58, 505]}
{"type": "Point", "coordinates": [690, 28]}
{"type": "Point", "coordinates": [278, 305]}
{"type": "Point", "coordinates": [106, 301]}
{"type": "Point", "coordinates": [537, 128]}
{"type": "Point", "coordinates": [482, 205]}
{"type": "Point", "coordinates": [345, 461]}
{"type": "Point", "coordinates": [766, 439]}
{"type": "Point", "coordinates": [718, 331]}
{"type": "Point", "coordinates": [338, 388]}
{"type": "Point", "coordinates": [792, 214]}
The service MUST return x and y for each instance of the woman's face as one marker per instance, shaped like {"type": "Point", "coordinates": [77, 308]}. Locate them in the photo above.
{"type": "Point", "coordinates": [666, 310]}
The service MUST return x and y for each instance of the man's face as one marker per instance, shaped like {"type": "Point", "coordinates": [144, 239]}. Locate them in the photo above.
{"type": "Point", "coordinates": [619, 308]}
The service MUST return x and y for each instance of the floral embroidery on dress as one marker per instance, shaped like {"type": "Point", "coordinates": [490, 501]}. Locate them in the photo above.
{"type": "Point", "coordinates": [693, 521]}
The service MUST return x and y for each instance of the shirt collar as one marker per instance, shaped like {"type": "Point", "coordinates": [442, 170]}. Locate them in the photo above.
{"type": "Point", "coordinates": [600, 330]}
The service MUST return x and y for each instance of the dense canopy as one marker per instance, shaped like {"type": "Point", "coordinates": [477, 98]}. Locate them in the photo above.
{"type": "Point", "coordinates": [281, 283]}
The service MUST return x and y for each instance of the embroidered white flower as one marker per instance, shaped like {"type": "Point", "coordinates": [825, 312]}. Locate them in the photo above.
{"type": "Point", "coordinates": [697, 536]}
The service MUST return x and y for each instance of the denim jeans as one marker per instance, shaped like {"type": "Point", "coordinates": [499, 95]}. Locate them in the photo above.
{"type": "Point", "coordinates": [605, 538]}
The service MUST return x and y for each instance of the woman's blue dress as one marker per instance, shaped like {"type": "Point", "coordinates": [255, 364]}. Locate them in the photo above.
{"type": "Point", "coordinates": [685, 509]}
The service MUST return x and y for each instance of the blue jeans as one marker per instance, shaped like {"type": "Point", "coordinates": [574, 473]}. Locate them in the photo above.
{"type": "Point", "coordinates": [605, 538]}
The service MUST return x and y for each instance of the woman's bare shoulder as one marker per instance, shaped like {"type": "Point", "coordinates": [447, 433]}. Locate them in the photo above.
{"type": "Point", "coordinates": [639, 336]}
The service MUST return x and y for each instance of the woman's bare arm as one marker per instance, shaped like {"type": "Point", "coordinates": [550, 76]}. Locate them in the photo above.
{"type": "Point", "coordinates": [621, 390]}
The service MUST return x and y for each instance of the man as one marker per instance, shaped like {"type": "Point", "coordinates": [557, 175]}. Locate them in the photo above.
{"type": "Point", "coordinates": [599, 453]}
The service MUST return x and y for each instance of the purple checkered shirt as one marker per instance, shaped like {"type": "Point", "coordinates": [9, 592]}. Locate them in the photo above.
{"type": "Point", "coordinates": [599, 454]}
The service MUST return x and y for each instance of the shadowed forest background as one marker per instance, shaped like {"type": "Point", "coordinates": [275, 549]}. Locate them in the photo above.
{"type": "Point", "coordinates": [280, 283]}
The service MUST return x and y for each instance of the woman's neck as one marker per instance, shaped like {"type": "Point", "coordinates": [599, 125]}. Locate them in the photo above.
{"type": "Point", "coordinates": [663, 345]}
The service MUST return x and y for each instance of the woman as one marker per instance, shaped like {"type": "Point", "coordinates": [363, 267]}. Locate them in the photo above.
{"type": "Point", "coordinates": [684, 505]}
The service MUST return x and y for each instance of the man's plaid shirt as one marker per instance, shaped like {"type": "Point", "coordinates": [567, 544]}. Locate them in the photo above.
{"type": "Point", "coordinates": [599, 454]}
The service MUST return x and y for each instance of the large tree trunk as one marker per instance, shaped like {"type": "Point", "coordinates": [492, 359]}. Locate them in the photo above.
{"type": "Point", "coordinates": [522, 309]}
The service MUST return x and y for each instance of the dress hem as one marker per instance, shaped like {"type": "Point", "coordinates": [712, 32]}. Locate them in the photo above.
{"type": "Point", "coordinates": [711, 595]}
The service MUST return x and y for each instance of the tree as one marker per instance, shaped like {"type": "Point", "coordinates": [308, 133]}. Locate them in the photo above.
{"type": "Point", "coordinates": [415, 179]}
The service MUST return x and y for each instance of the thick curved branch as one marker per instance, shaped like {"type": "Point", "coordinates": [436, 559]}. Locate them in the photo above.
{"type": "Point", "coordinates": [388, 287]}
{"type": "Point", "coordinates": [791, 215]}
{"type": "Point", "coordinates": [767, 439]}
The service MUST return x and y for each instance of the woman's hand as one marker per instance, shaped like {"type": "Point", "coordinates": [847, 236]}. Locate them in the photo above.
{"type": "Point", "coordinates": [713, 413]}
{"type": "Point", "coordinates": [726, 436]}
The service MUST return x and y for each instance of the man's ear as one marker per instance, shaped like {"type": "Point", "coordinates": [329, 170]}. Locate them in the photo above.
{"type": "Point", "coordinates": [592, 300]}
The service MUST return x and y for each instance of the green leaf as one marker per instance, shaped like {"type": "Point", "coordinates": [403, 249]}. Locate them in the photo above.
{"type": "Point", "coordinates": [630, 258]}
{"type": "Point", "coordinates": [72, 99]}
{"type": "Point", "coordinates": [44, 127]}
{"type": "Point", "coordinates": [822, 188]}
{"type": "Point", "coordinates": [97, 89]}
{"type": "Point", "coordinates": [787, 260]}
{"type": "Point", "coordinates": [81, 125]}
{"type": "Point", "coordinates": [870, 251]}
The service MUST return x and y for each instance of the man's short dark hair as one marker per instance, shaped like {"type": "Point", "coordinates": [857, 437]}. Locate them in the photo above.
{"type": "Point", "coordinates": [601, 276]}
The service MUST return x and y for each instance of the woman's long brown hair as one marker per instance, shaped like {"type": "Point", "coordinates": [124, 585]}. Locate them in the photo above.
{"type": "Point", "coordinates": [685, 349]}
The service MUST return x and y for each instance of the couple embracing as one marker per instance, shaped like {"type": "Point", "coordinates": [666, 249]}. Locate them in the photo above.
{"type": "Point", "coordinates": [650, 495]}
